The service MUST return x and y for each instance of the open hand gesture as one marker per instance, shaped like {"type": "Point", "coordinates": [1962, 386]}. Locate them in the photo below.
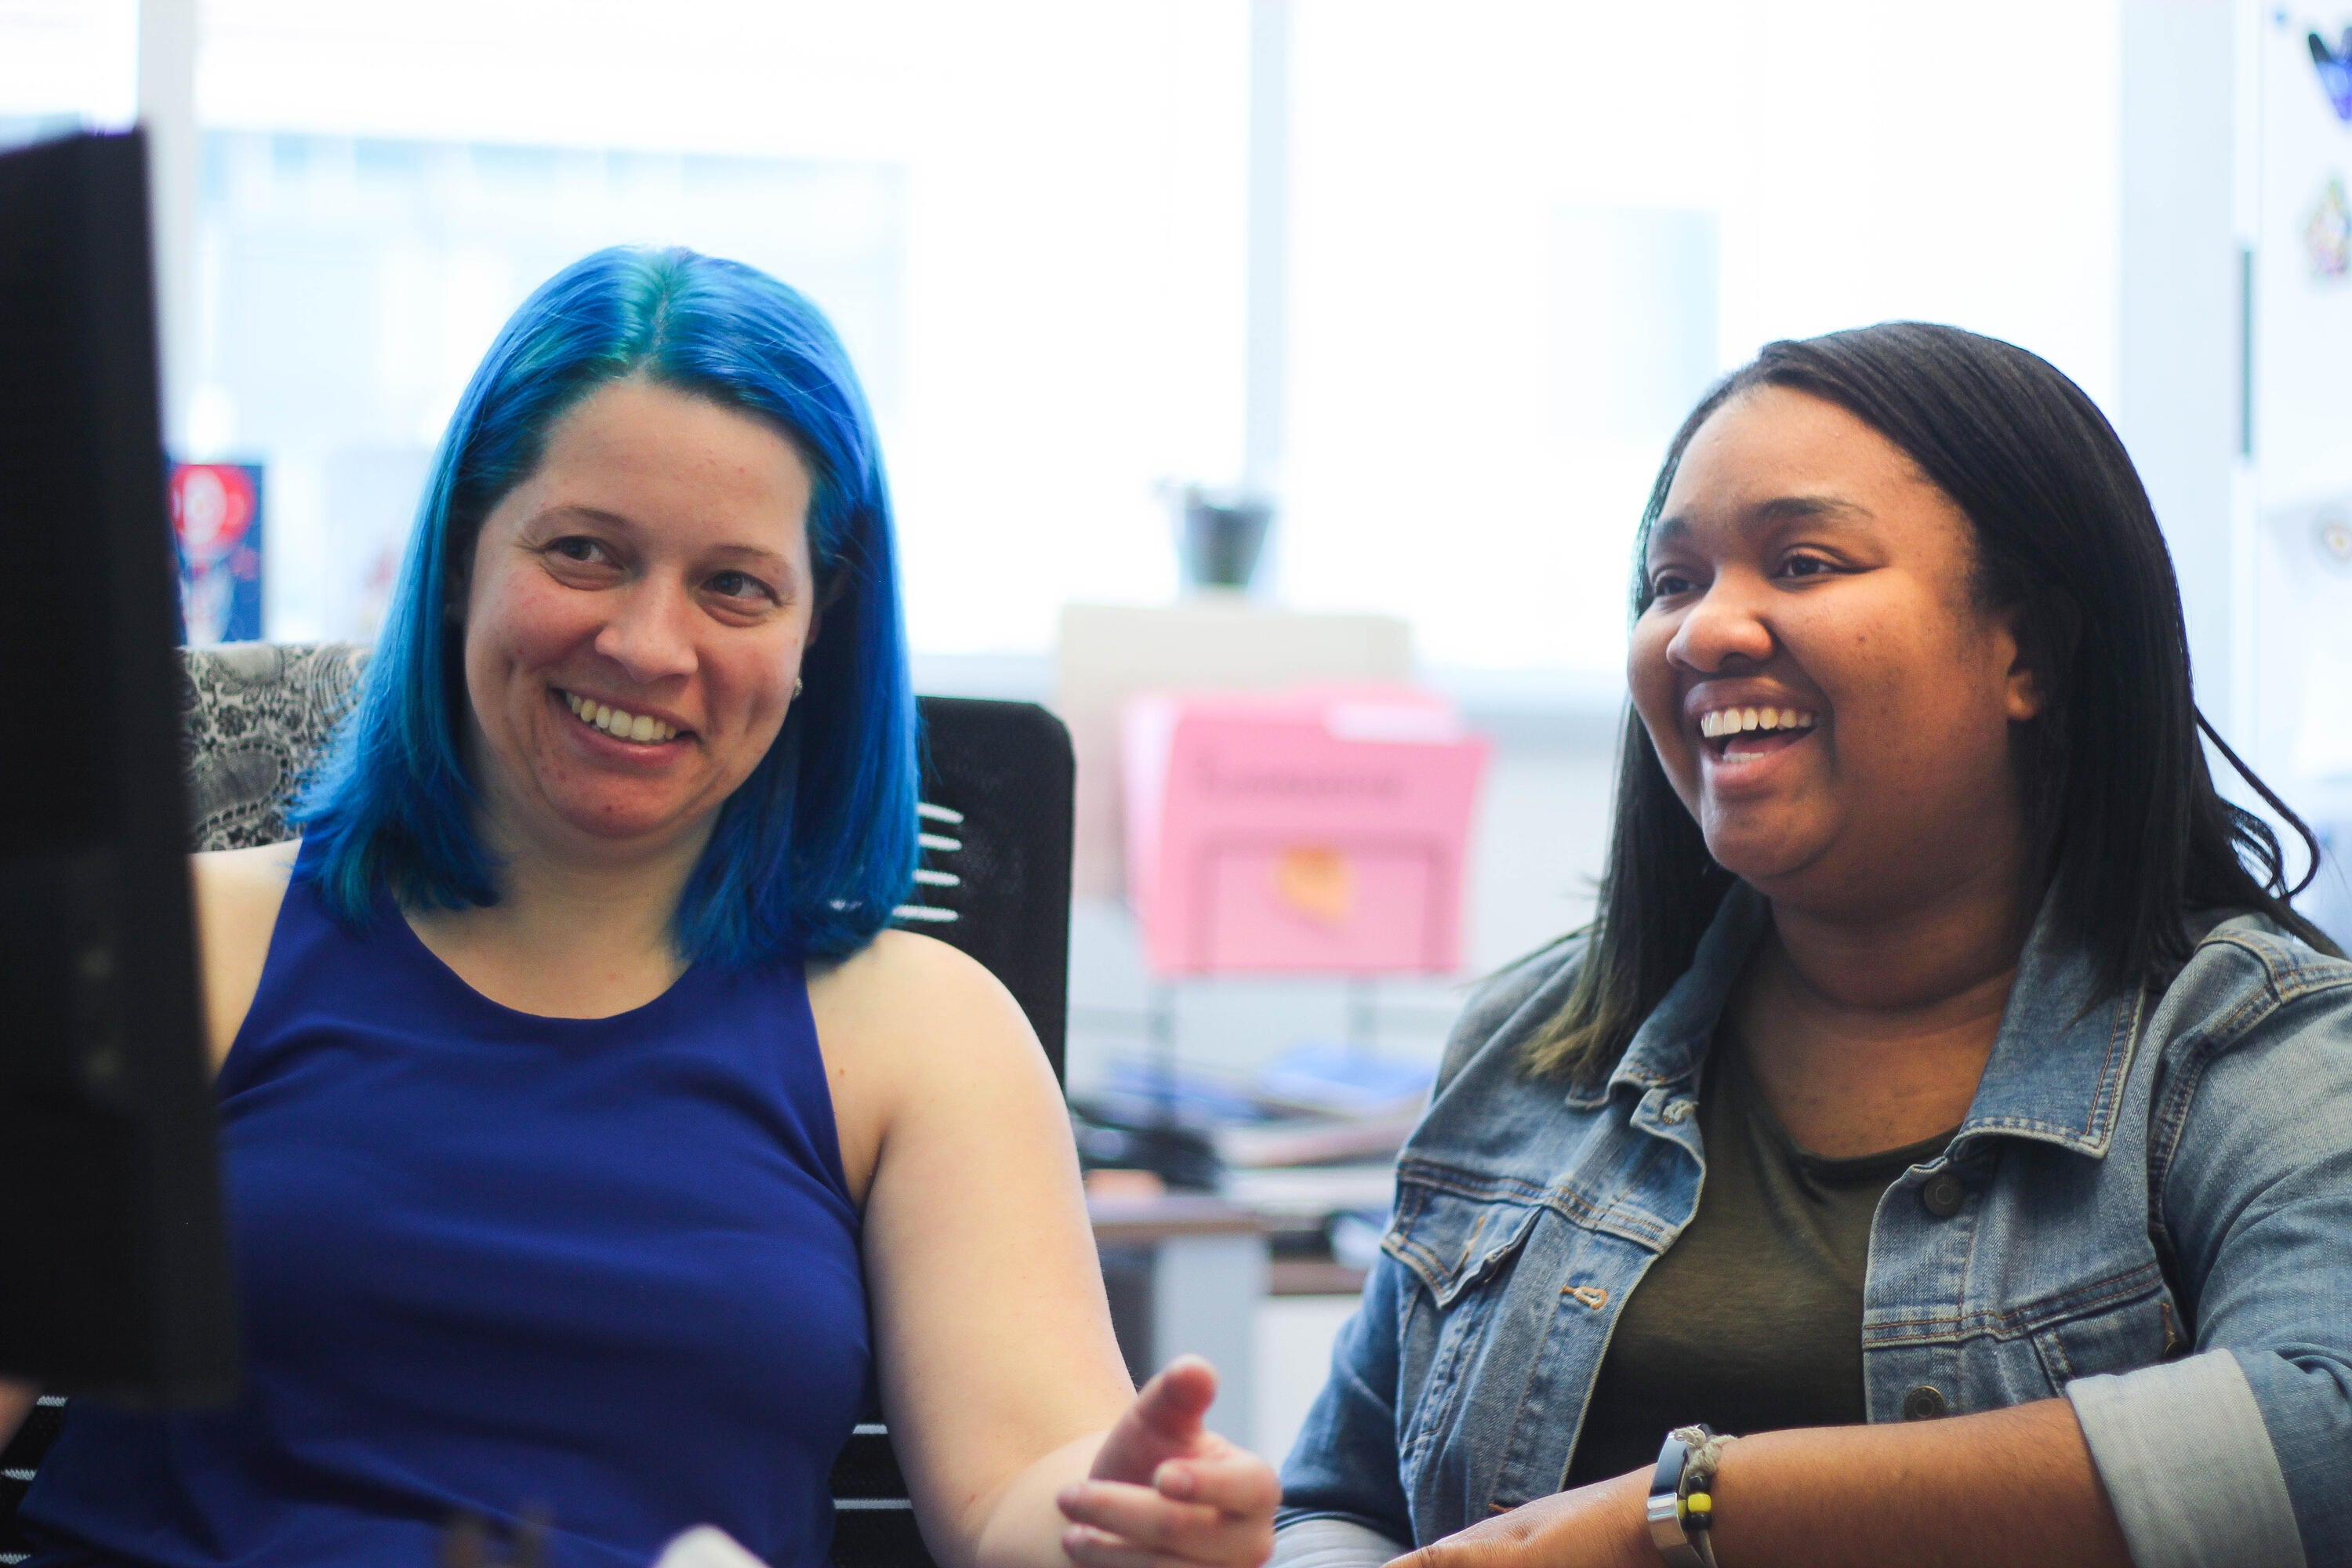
{"type": "Point", "coordinates": [1167, 1493]}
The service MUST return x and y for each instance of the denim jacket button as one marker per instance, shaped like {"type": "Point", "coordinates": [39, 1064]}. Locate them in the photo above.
{"type": "Point", "coordinates": [1924, 1403]}
{"type": "Point", "coordinates": [1943, 1194]}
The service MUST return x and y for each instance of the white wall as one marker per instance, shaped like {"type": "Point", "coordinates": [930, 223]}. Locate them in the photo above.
{"type": "Point", "coordinates": [2177, 395]}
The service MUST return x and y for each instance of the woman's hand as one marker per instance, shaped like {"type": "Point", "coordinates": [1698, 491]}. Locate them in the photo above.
{"type": "Point", "coordinates": [1603, 1525]}
{"type": "Point", "coordinates": [1166, 1491]}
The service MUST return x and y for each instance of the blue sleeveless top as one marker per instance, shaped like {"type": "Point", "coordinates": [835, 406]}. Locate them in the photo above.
{"type": "Point", "coordinates": [603, 1270]}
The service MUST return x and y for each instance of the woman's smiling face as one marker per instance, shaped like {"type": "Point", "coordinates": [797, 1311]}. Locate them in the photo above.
{"type": "Point", "coordinates": [635, 619]}
{"type": "Point", "coordinates": [1827, 693]}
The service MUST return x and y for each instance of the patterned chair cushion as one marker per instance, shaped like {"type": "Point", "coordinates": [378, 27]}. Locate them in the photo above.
{"type": "Point", "coordinates": [256, 717]}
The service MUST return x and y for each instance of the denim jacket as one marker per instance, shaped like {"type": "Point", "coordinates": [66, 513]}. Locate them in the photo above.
{"type": "Point", "coordinates": [2154, 1219]}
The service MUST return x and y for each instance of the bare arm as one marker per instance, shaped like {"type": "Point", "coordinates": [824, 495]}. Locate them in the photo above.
{"type": "Point", "coordinates": [238, 894]}
{"type": "Point", "coordinates": [1009, 1402]}
{"type": "Point", "coordinates": [990, 1330]}
{"type": "Point", "coordinates": [2009, 1486]}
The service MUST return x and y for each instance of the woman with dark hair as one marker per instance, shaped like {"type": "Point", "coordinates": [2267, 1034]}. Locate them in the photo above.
{"type": "Point", "coordinates": [590, 1146]}
{"type": "Point", "coordinates": [1938, 1148]}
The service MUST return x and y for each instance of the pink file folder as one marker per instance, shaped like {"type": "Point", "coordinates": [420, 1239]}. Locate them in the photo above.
{"type": "Point", "coordinates": [1319, 831]}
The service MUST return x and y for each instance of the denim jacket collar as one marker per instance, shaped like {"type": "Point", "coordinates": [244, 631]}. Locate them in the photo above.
{"type": "Point", "coordinates": [2057, 1067]}
{"type": "Point", "coordinates": [1670, 1048]}
{"type": "Point", "coordinates": [2056, 1073]}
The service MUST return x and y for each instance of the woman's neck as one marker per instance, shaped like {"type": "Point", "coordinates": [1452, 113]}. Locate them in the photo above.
{"type": "Point", "coordinates": [1870, 1032]}
{"type": "Point", "coordinates": [1911, 961]}
{"type": "Point", "coordinates": [574, 934]}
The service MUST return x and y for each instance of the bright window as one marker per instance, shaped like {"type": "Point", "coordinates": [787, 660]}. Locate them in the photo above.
{"type": "Point", "coordinates": [1521, 235]}
{"type": "Point", "coordinates": [347, 287]}
{"type": "Point", "coordinates": [1026, 218]}
{"type": "Point", "coordinates": [64, 64]}
{"type": "Point", "coordinates": [1527, 235]}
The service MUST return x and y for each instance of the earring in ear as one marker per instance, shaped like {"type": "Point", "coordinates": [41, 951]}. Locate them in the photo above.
{"type": "Point", "coordinates": [798, 684]}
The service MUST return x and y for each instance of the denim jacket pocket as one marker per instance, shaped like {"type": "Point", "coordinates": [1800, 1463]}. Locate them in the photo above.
{"type": "Point", "coordinates": [1461, 1250]}
{"type": "Point", "coordinates": [1452, 1242]}
{"type": "Point", "coordinates": [2111, 1325]}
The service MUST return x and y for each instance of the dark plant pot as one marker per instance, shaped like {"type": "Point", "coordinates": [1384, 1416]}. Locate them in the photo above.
{"type": "Point", "coordinates": [1220, 543]}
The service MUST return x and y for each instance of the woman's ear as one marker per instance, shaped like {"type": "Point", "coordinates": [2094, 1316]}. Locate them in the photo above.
{"type": "Point", "coordinates": [2024, 700]}
{"type": "Point", "coordinates": [2022, 697]}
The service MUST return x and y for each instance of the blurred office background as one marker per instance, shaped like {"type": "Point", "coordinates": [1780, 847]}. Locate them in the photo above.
{"type": "Point", "coordinates": [1439, 280]}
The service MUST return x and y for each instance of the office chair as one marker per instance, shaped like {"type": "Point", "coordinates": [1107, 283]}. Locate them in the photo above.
{"type": "Point", "coordinates": [994, 881]}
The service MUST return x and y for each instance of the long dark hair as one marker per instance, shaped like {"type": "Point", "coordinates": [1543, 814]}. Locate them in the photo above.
{"type": "Point", "coordinates": [2118, 800]}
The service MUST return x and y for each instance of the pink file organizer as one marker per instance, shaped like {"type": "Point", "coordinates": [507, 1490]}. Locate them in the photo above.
{"type": "Point", "coordinates": [1319, 831]}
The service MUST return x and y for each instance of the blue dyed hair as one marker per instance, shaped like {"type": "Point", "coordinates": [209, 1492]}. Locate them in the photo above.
{"type": "Point", "coordinates": [814, 850]}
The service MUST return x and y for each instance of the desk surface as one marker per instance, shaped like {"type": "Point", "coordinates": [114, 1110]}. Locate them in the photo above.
{"type": "Point", "coordinates": [1145, 1221]}
{"type": "Point", "coordinates": [1139, 1222]}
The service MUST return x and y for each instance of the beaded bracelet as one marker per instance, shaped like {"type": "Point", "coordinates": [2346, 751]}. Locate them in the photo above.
{"type": "Point", "coordinates": [1681, 1503]}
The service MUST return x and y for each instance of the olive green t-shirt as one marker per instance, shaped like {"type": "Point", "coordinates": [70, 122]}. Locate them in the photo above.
{"type": "Point", "coordinates": [1752, 1320]}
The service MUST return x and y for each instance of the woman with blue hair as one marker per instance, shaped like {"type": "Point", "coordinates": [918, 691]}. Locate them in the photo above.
{"type": "Point", "coordinates": [589, 1145]}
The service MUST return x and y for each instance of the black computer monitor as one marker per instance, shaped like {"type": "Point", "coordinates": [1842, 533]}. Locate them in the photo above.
{"type": "Point", "coordinates": [114, 1276]}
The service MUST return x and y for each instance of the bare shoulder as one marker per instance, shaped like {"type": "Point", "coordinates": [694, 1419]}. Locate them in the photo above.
{"type": "Point", "coordinates": [902, 989]}
{"type": "Point", "coordinates": [914, 1034]}
{"type": "Point", "coordinates": [263, 866]}
{"type": "Point", "coordinates": [238, 893]}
